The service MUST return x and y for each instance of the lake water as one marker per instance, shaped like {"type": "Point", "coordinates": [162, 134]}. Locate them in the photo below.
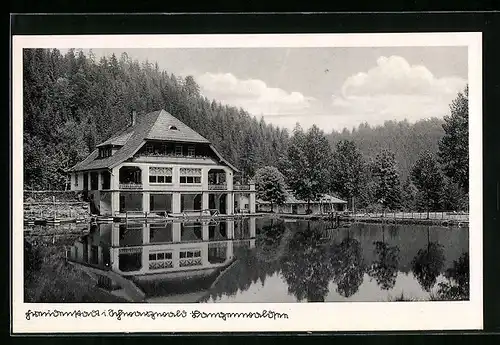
{"type": "Point", "coordinates": [270, 260]}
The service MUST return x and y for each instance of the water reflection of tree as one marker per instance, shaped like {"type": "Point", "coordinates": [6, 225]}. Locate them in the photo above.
{"type": "Point", "coordinates": [428, 263]}
{"type": "Point", "coordinates": [247, 270]}
{"type": "Point", "coordinates": [306, 266]}
{"type": "Point", "coordinates": [457, 285]}
{"type": "Point", "coordinates": [348, 266]}
{"type": "Point", "coordinates": [384, 269]}
{"type": "Point", "coordinates": [268, 241]}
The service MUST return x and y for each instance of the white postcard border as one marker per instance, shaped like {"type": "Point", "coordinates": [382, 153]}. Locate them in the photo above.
{"type": "Point", "coordinates": [343, 316]}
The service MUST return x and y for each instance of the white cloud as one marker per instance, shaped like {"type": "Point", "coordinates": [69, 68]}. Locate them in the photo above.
{"type": "Point", "coordinates": [253, 95]}
{"type": "Point", "coordinates": [395, 90]}
{"type": "Point", "coordinates": [395, 76]}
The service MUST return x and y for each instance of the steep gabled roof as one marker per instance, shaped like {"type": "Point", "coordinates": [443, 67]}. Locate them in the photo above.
{"type": "Point", "coordinates": [156, 125]}
{"type": "Point", "coordinates": [118, 140]}
{"type": "Point", "coordinates": [161, 130]}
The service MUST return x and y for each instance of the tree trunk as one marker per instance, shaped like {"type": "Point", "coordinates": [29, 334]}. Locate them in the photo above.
{"type": "Point", "coordinates": [427, 205]}
{"type": "Point", "coordinates": [272, 210]}
{"type": "Point", "coordinates": [428, 238]}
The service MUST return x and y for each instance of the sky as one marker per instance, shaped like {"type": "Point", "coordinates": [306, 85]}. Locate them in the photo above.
{"type": "Point", "coordinates": [334, 88]}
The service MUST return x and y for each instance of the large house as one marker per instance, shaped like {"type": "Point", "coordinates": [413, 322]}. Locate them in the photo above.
{"type": "Point", "coordinates": [159, 165]}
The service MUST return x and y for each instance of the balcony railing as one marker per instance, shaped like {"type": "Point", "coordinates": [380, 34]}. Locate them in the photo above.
{"type": "Point", "coordinates": [220, 186]}
{"type": "Point", "coordinates": [130, 185]}
{"type": "Point", "coordinates": [241, 187]}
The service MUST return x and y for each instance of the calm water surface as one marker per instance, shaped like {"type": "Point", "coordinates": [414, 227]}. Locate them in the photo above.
{"type": "Point", "coordinates": [270, 260]}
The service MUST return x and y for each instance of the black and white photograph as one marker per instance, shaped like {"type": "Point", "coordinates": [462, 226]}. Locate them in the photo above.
{"type": "Point", "coordinates": [286, 174]}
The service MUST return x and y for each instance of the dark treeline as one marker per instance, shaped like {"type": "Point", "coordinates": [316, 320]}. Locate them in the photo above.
{"type": "Point", "coordinates": [73, 102]}
{"type": "Point", "coordinates": [403, 138]}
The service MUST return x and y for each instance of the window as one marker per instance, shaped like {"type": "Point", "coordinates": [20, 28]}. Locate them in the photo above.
{"type": "Point", "coordinates": [105, 180]}
{"type": "Point", "coordinates": [190, 179]}
{"type": "Point", "coordinates": [173, 128]}
{"type": "Point", "coordinates": [149, 148]}
{"type": "Point", "coordinates": [160, 256]}
{"type": "Point", "coordinates": [105, 152]}
{"type": "Point", "coordinates": [190, 254]}
{"type": "Point", "coordinates": [178, 150]}
{"type": "Point", "coordinates": [190, 175]}
{"type": "Point", "coordinates": [160, 175]}
{"type": "Point", "coordinates": [76, 180]}
{"type": "Point", "coordinates": [160, 260]}
{"type": "Point", "coordinates": [94, 181]}
{"type": "Point", "coordinates": [190, 258]}
{"type": "Point", "coordinates": [191, 151]}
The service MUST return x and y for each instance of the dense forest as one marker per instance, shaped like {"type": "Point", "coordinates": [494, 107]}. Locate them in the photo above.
{"type": "Point", "coordinates": [72, 102]}
{"type": "Point", "coordinates": [403, 138]}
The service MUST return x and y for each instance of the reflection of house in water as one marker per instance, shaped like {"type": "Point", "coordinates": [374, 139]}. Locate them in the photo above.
{"type": "Point", "coordinates": [166, 259]}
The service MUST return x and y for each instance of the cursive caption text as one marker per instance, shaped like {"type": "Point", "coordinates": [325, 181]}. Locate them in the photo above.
{"type": "Point", "coordinates": [120, 314]}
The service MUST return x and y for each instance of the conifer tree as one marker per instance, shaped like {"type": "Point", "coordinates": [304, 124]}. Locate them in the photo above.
{"type": "Point", "coordinates": [454, 146]}
{"type": "Point", "coordinates": [347, 170]}
{"type": "Point", "coordinates": [387, 183]}
{"type": "Point", "coordinates": [427, 177]}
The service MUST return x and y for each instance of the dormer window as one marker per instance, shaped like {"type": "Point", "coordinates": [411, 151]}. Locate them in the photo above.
{"type": "Point", "coordinates": [105, 152]}
{"type": "Point", "coordinates": [173, 128]}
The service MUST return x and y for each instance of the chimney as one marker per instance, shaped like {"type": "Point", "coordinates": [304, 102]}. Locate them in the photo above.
{"type": "Point", "coordinates": [133, 118]}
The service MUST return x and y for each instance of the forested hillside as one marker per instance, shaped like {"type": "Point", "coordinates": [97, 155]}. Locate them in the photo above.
{"type": "Point", "coordinates": [404, 139]}
{"type": "Point", "coordinates": [72, 103]}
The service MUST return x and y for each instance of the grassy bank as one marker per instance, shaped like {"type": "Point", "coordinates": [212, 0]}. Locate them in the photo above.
{"type": "Point", "coordinates": [49, 279]}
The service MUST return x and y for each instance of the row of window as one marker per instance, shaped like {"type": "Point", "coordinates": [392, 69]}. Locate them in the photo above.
{"type": "Point", "coordinates": [168, 255]}
{"type": "Point", "coordinates": [167, 149]}
{"type": "Point", "coordinates": [160, 179]}
{"type": "Point", "coordinates": [160, 175]}
{"type": "Point", "coordinates": [168, 179]}
{"type": "Point", "coordinates": [164, 175]}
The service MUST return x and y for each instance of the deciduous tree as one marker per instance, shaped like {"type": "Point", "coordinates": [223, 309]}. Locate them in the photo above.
{"type": "Point", "coordinates": [427, 177]}
{"type": "Point", "coordinates": [270, 185]}
{"type": "Point", "coordinates": [307, 163]}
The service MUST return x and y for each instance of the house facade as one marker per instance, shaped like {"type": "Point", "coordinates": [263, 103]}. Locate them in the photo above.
{"type": "Point", "coordinates": [325, 204]}
{"type": "Point", "coordinates": [159, 165]}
